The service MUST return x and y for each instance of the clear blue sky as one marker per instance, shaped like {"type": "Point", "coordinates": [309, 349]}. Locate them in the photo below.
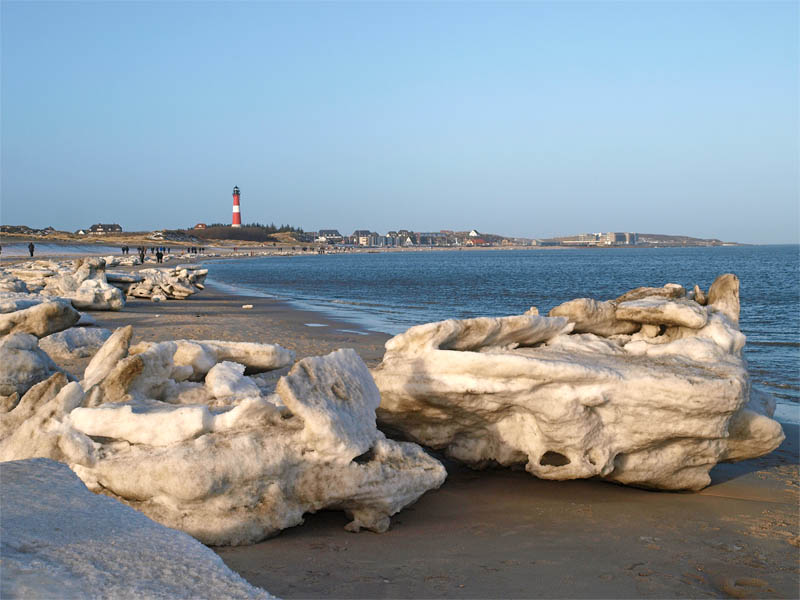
{"type": "Point", "coordinates": [525, 118]}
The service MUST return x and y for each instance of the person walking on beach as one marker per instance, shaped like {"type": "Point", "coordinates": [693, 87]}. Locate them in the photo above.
{"type": "Point", "coordinates": [31, 248]}
{"type": "Point", "coordinates": [142, 252]}
{"type": "Point", "coordinates": [159, 256]}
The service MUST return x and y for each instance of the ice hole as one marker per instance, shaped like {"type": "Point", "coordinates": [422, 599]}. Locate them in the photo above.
{"type": "Point", "coordinates": [368, 456]}
{"type": "Point", "coordinates": [553, 459]}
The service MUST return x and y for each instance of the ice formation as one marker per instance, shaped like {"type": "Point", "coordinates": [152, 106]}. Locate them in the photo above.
{"type": "Point", "coordinates": [38, 318]}
{"type": "Point", "coordinates": [160, 284]}
{"type": "Point", "coordinates": [87, 285]}
{"type": "Point", "coordinates": [649, 389]}
{"type": "Point", "coordinates": [228, 458]}
{"type": "Point", "coordinates": [22, 364]}
{"type": "Point", "coordinates": [76, 342]}
{"type": "Point", "coordinates": [202, 355]}
{"type": "Point", "coordinates": [82, 282]}
{"type": "Point", "coordinates": [61, 541]}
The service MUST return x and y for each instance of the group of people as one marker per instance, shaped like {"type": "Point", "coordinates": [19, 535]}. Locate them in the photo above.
{"type": "Point", "coordinates": [159, 252]}
{"type": "Point", "coordinates": [142, 250]}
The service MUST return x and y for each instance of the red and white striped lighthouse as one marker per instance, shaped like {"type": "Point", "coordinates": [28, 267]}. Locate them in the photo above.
{"type": "Point", "coordinates": [237, 215]}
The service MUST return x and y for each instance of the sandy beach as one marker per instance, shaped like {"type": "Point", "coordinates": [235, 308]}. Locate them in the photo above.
{"type": "Point", "coordinates": [406, 299]}
{"type": "Point", "coordinates": [503, 534]}
{"type": "Point", "coordinates": [499, 533]}
{"type": "Point", "coordinates": [217, 315]}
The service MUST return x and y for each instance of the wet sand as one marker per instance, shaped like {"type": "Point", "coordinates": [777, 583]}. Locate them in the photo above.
{"type": "Point", "coordinates": [217, 315]}
{"type": "Point", "coordinates": [505, 534]}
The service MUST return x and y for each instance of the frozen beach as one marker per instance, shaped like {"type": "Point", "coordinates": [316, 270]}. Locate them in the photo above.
{"type": "Point", "coordinates": [503, 533]}
{"type": "Point", "coordinates": [500, 533]}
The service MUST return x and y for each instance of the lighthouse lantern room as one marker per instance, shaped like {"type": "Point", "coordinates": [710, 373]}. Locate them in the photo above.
{"type": "Point", "coordinates": [237, 215]}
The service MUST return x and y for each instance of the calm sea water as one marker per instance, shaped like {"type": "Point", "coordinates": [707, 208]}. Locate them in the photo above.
{"type": "Point", "coordinates": [390, 292]}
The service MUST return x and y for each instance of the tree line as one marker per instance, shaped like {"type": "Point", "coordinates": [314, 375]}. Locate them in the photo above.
{"type": "Point", "coordinates": [251, 232]}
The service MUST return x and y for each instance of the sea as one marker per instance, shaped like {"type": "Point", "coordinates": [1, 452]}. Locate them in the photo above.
{"type": "Point", "coordinates": [392, 291]}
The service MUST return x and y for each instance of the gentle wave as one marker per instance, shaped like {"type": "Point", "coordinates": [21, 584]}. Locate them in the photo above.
{"type": "Point", "coordinates": [238, 290]}
{"type": "Point", "coordinates": [351, 303]}
{"type": "Point", "coordinates": [780, 386]}
{"type": "Point", "coordinates": [370, 305]}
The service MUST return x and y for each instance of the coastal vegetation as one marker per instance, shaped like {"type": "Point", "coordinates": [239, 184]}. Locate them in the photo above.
{"type": "Point", "coordinates": [252, 232]}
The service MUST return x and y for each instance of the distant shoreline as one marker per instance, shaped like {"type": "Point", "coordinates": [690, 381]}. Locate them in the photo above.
{"type": "Point", "coordinates": [188, 237]}
{"type": "Point", "coordinates": [228, 245]}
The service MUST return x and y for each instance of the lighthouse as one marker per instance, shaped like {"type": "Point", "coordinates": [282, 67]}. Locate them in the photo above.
{"type": "Point", "coordinates": [237, 215]}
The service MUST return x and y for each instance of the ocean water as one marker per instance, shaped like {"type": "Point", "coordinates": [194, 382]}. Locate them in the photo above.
{"type": "Point", "coordinates": [390, 292]}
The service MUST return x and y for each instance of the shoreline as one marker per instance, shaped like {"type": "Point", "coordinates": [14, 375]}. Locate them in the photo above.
{"type": "Point", "coordinates": [215, 313]}
{"type": "Point", "coordinates": [500, 532]}
{"type": "Point", "coordinates": [787, 410]}
{"type": "Point", "coordinates": [503, 533]}
{"type": "Point", "coordinates": [104, 246]}
{"type": "Point", "coordinates": [334, 318]}
{"type": "Point", "coordinates": [357, 321]}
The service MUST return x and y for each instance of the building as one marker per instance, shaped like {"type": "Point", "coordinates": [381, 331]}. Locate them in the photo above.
{"type": "Point", "coordinates": [104, 228]}
{"type": "Point", "coordinates": [362, 237]}
{"type": "Point", "coordinates": [610, 238]}
{"type": "Point", "coordinates": [432, 238]}
{"type": "Point", "coordinates": [476, 241]}
{"type": "Point", "coordinates": [619, 238]}
{"type": "Point", "coordinates": [329, 236]}
{"type": "Point", "coordinates": [200, 226]}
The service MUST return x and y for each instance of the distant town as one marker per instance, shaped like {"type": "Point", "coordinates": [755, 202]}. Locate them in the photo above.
{"type": "Point", "coordinates": [364, 238]}
{"type": "Point", "coordinates": [257, 233]}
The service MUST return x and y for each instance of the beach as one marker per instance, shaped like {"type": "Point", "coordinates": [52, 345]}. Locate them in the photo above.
{"type": "Point", "coordinates": [500, 533]}
{"type": "Point", "coordinates": [428, 299]}
{"type": "Point", "coordinates": [503, 534]}
{"type": "Point", "coordinates": [215, 314]}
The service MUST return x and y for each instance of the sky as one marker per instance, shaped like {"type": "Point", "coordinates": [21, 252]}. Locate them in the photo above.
{"type": "Point", "coordinates": [531, 119]}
